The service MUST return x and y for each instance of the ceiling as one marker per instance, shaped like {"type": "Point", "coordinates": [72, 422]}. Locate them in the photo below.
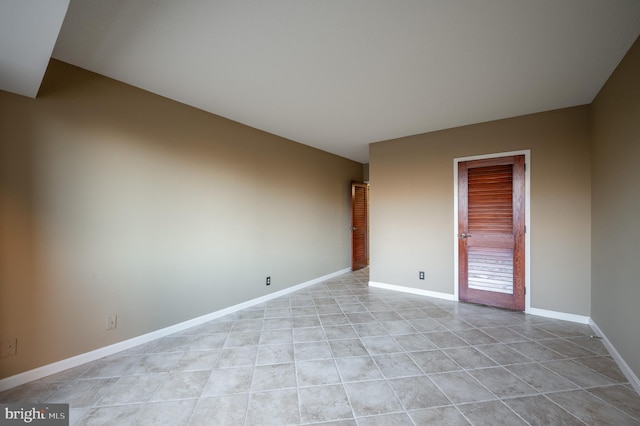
{"type": "Point", "coordinates": [333, 74]}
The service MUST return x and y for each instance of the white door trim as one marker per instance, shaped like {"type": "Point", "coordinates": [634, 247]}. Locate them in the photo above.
{"type": "Point", "coordinates": [527, 237]}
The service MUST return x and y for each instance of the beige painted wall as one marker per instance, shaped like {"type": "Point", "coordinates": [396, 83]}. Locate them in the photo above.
{"type": "Point", "coordinates": [615, 117]}
{"type": "Point", "coordinates": [117, 201]}
{"type": "Point", "coordinates": [412, 184]}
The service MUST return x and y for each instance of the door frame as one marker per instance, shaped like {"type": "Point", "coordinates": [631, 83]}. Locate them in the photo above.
{"type": "Point", "coordinates": [527, 235]}
{"type": "Point", "coordinates": [366, 231]}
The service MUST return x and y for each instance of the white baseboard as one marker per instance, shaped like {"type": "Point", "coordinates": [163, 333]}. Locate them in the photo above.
{"type": "Point", "coordinates": [581, 319]}
{"type": "Point", "coordinates": [624, 367]}
{"type": "Point", "coordinates": [56, 367]}
{"type": "Point", "coordinates": [412, 290]}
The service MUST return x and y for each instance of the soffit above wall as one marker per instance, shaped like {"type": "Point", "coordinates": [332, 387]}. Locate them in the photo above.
{"type": "Point", "coordinates": [28, 32]}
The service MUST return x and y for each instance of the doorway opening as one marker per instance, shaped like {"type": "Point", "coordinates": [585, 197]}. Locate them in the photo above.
{"type": "Point", "coordinates": [359, 225]}
{"type": "Point", "coordinates": [491, 220]}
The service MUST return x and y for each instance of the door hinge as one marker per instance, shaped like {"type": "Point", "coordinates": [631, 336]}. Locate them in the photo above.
{"type": "Point", "coordinates": [525, 290]}
{"type": "Point", "coordinates": [525, 167]}
{"type": "Point", "coordinates": [525, 229]}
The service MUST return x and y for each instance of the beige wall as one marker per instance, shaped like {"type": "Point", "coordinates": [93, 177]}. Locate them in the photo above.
{"type": "Point", "coordinates": [615, 117]}
{"type": "Point", "coordinates": [412, 184]}
{"type": "Point", "coordinates": [117, 201]}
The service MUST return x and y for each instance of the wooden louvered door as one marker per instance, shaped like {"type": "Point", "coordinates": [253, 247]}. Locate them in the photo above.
{"type": "Point", "coordinates": [359, 225]}
{"type": "Point", "coordinates": [491, 241]}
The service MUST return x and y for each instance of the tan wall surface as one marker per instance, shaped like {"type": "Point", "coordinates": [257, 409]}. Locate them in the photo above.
{"type": "Point", "coordinates": [412, 184]}
{"type": "Point", "coordinates": [117, 201]}
{"type": "Point", "coordinates": [616, 208]}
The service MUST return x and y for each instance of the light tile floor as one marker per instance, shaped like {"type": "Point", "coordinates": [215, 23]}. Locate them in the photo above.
{"type": "Point", "coordinates": [342, 353]}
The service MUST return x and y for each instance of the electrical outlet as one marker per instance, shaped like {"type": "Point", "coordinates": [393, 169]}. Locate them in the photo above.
{"type": "Point", "coordinates": [268, 280]}
{"type": "Point", "coordinates": [112, 322]}
{"type": "Point", "coordinates": [8, 348]}
{"type": "Point", "coordinates": [421, 275]}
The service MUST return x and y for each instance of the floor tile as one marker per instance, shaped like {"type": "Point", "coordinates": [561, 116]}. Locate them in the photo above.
{"type": "Point", "coordinates": [434, 362]}
{"type": "Point", "coordinates": [237, 357]}
{"type": "Point", "coordinates": [318, 372]}
{"type": "Point", "coordinates": [503, 354]}
{"type": "Point", "coordinates": [171, 344]}
{"type": "Point", "coordinates": [216, 327]}
{"type": "Point", "coordinates": [398, 327]}
{"type": "Point", "coordinates": [504, 335]}
{"type": "Point", "coordinates": [247, 325]}
{"type": "Point", "coordinates": [208, 341]}
{"type": "Point", "coordinates": [593, 344]}
{"type": "Point", "coordinates": [460, 387]}
{"type": "Point", "coordinates": [275, 354]}
{"type": "Point", "coordinates": [468, 357]}
{"type": "Point", "coordinates": [386, 315]}
{"type": "Point", "coordinates": [566, 348]}
{"type": "Point", "coordinates": [445, 339]}
{"type": "Point", "coordinates": [155, 363]}
{"type": "Point", "coordinates": [242, 338]}
{"type": "Point", "coordinates": [540, 378]}
{"type": "Point", "coordinates": [454, 324]}
{"type": "Point", "coordinates": [425, 325]}
{"type": "Point", "coordinates": [341, 353]}
{"type": "Point", "coordinates": [418, 392]}
{"type": "Point", "coordinates": [590, 409]}
{"type": "Point", "coordinates": [535, 351]}
{"type": "Point", "coordinates": [540, 411]}
{"type": "Point", "coordinates": [578, 374]}
{"type": "Point", "coordinates": [312, 350]}
{"type": "Point", "coordinates": [340, 332]}
{"type": "Point", "coordinates": [396, 419]}
{"type": "Point", "coordinates": [174, 413]}
{"type": "Point", "coordinates": [197, 361]}
{"type": "Point", "coordinates": [441, 416]}
{"type": "Point", "coordinates": [271, 377]}
{"type": "Point", "coordinates": [323, 404]}
{"type": "Point", "coordinates": [305, 322]}
{"type": "Point", "coordinates": [220, 410]}
{"type": "Point", "coordinates": [277, 324]}
{"type": "Point", "coordinates": [622, 397]}
{"type": "Point", "coordinates": [415, 342]}
{"type": "Point", "coordinates": [381, 345]}
{"type": "Point", "coordinates": [347, 347]}
{"type": "Point", "coordinates": [79, 393]}
{"type": "Point", "coordinates": [131, 389]}
{"type": "Point", "coordinates": [333, 320]}
{"type": "Point", "coordinates": [397, 365]}
{"type": "Point", "coordinates": [275, 337]}
{"type": "Point", "coordinates": [310, 334]}
{"type": "Point", "coordinates": [372, 398]}
{"type": "Point", "coordinates": [355, 369]}
{"type": "Point", "coordinates": [490, 413]}
{"type": "Point", "coordinates": [566, 328]}
{"type": "Point", "coordinates": [605, 366]}
{"type": "Point", "coordinates": [124, 415]}
{"type": "Point", "coordinates": [110, 367]}
{"type": "Point", "coordinates": [182, 385]}
{"type": "Point", "coordinates": [502, 383]}
{"type": "Point", "coordinates": [370, 329]}
{"type": "Point", "coordinates": [229, 381]}
{"type": "Point", "coordinates": [273, 408]}
{"type": "Point", "coordinates": [37, 392]}
{"type": "Point", "coordinates": [475, 337]}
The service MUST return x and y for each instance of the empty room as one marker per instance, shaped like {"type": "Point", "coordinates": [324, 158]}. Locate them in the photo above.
{"type": "Point", "coordinates": [319, 213]}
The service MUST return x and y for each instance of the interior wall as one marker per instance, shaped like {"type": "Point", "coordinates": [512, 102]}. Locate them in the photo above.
{"type": "Point", "coordinates": [615, 117]}
{"type": "Point", "coordinates": [117, 201]}
{"type": "Point", "coordinates": [412, 217]}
